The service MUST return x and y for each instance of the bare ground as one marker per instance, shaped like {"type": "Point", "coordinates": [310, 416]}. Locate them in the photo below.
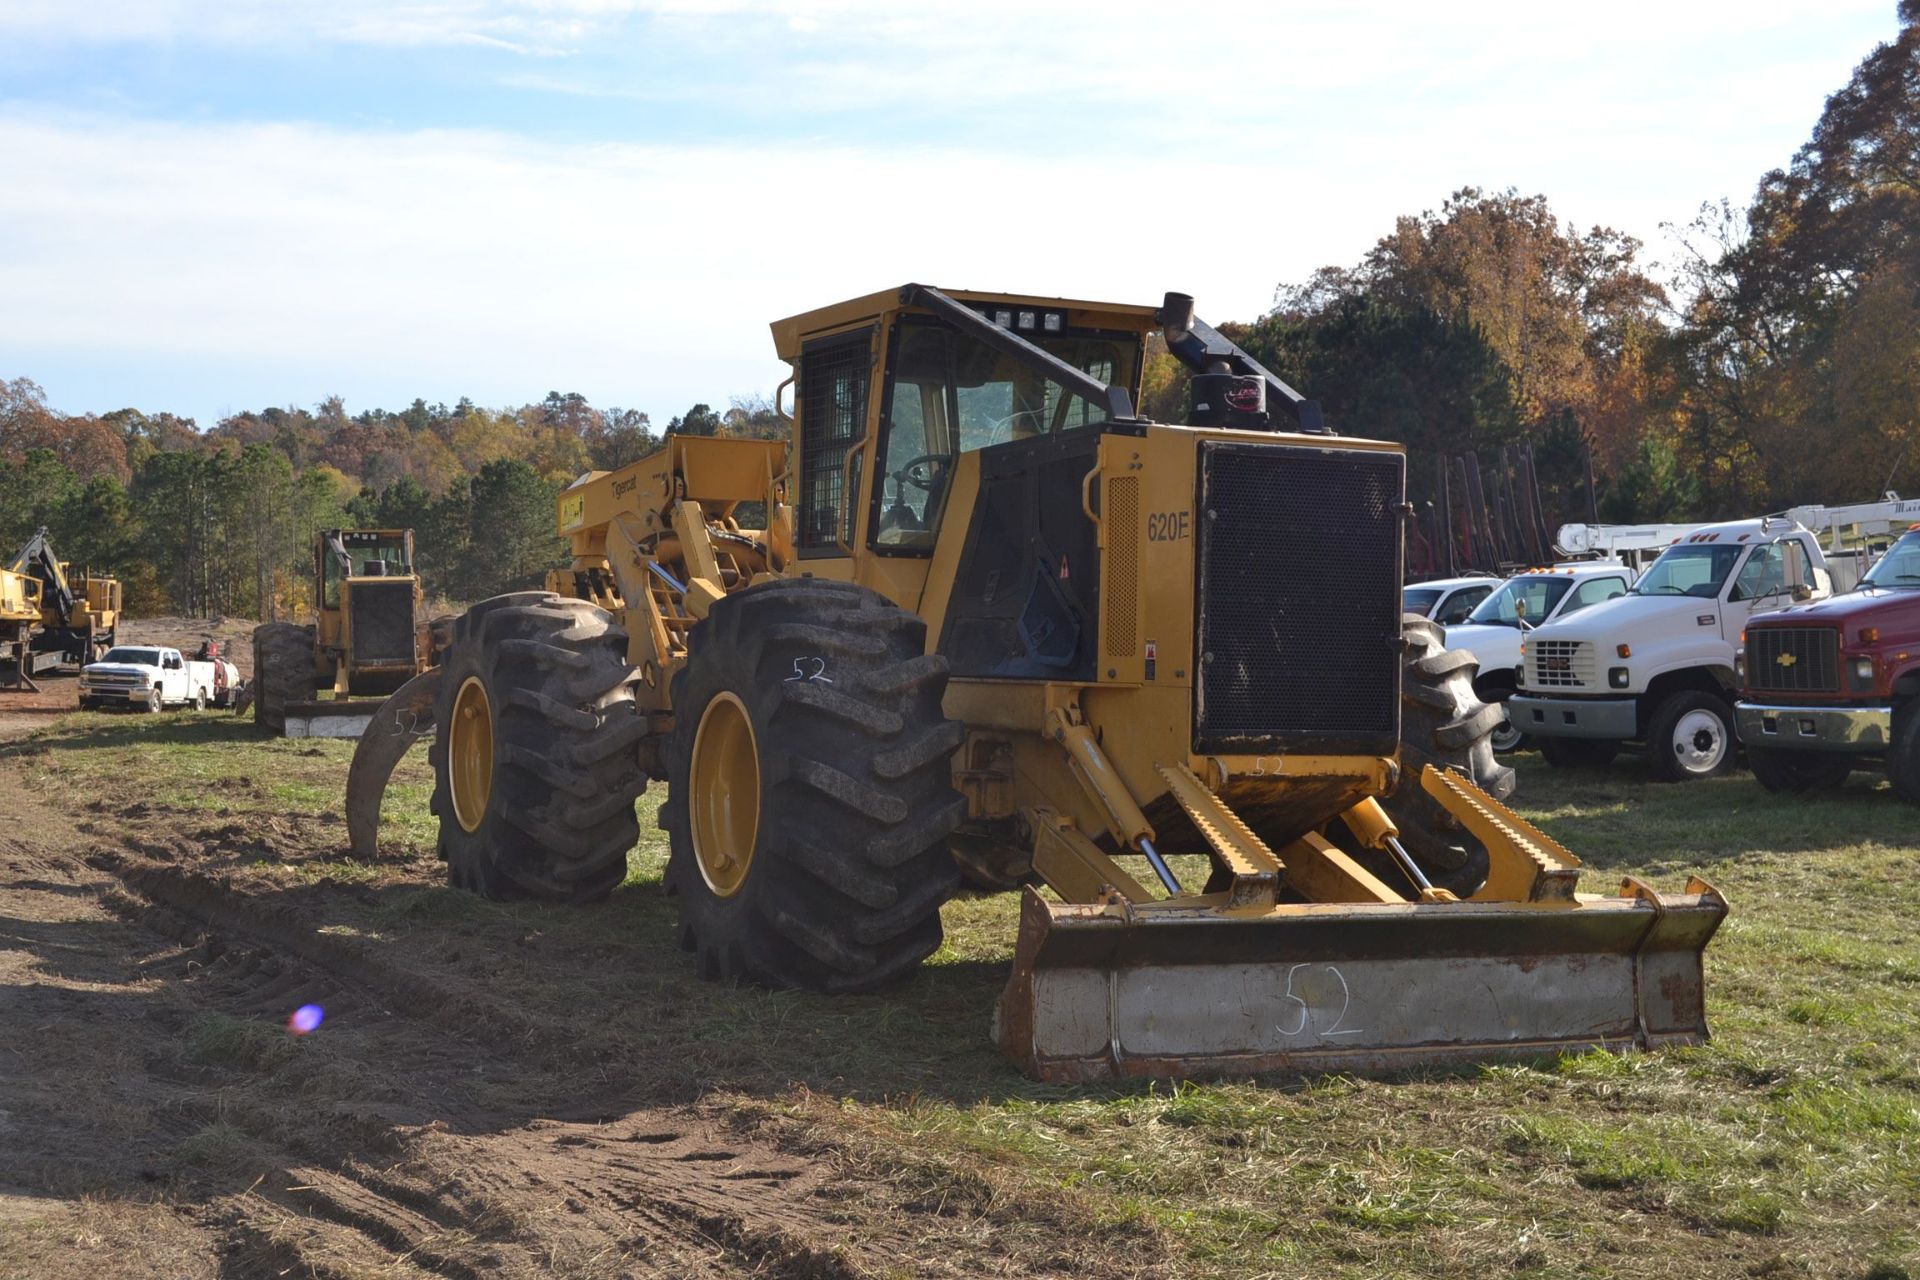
{"type": "Point", "coordinates": [155, 1118]}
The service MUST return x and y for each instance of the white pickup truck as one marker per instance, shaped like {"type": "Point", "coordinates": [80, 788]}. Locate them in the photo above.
{"type": "Point", "coordinates": [151, 677]}
{"type": "Point", "coordinates": [1494, 630]}
{"type": "Point", "coordinates": [1656, 664]}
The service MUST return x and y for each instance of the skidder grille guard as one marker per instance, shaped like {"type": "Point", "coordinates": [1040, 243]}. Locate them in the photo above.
{"type": "Point", "coordinates": [1298, 608]}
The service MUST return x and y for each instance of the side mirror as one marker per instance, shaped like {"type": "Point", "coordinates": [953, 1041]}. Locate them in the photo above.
{"type": "Point", "coordinates": [1802, 592]}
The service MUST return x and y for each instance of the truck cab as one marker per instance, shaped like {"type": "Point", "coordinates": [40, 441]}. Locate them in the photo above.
{"type": "Point", "coordinates": [1834, 686]}
{"type": "Point", "coordinates": [1493, 632]}
{"type": "Point", "coordinates": [1656, 665]}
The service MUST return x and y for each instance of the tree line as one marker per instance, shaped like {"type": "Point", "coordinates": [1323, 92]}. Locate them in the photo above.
{"type": "Point", "coordinates": [1778, 362]}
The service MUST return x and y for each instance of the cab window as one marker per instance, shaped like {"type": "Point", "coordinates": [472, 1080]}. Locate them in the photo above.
{"type": "Point", "coordinates": [948, 394]}
{"type": "Point", "coordinates": [1593, 591]}
{"type": "Point", "coordinates": [1460, 604]}
{"type": "Point", "coordinates": [1772, 571]}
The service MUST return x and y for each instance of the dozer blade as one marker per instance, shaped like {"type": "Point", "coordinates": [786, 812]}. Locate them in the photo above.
{"type": "Point", "coordinates": [1168, 989]}
{"type": "Point", "coordinates": [405, 717]}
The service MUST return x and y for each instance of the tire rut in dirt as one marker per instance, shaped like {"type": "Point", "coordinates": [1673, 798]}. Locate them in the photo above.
{"type": "Point", "coordinates": [1443, 723]}
{"type": "Point", "coordinates": [283, 672]}
{"type": "Point", "coordinates": [849, 866]}
{"type": "Point", "coordinates": [559, 816]}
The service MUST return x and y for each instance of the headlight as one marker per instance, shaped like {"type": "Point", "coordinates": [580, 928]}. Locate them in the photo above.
{"type": "Point", "coordinates": [1617, 677]}
{"type": "Point", "coordinates": [1740, 667]}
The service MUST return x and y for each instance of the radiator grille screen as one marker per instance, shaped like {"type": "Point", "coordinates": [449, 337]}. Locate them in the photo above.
{"type": "Point", "coordinates": [1299, 599]}
{"type": "Point", "coordinates": [383, 621]}
{"type": "Point", "coordinates": [1793, 659]}
{"type": "Point", "coordinates": [834, 375]}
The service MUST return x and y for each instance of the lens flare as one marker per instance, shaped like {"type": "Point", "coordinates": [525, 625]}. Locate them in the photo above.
{"type": "Point", "coordinates": [306, 1019]}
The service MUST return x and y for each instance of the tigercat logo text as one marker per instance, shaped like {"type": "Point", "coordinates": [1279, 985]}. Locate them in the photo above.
{"type": "Point", "coordinates": [1786, 660]}
{"type": "Point", "coordinates": [621, 488]}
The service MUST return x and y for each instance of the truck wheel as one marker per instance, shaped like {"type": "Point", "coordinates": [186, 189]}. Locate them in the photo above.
{"type": "Point", "coordinates": [534, 767]}
{"type": "Point", "coordinates": [1443, 724]}
{"type": "Point", "coordinates": [1578, 753]}
{"type": "Point", "coordinates": [199, 699]}
{"type": "Point", "coordinates": [1505, 738]}
{"type": "Point", "coordinates": [1689, 736]}
{"type": "Point", "coordinates": [810, 794]}
{"type": "Point", "coordinates": [1903, 759]}
{"type": "Point", "coordinates": [1779, 770]}
{"type": "Point", "coordinates": [282, 672]}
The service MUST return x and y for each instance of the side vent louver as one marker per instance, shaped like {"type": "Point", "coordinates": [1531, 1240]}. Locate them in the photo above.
{"type": "Point", "coordinates": [1121, 518]}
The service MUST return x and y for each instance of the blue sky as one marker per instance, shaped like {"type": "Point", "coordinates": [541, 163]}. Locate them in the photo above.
{"type": "Point", "coordinates": [206, 207]}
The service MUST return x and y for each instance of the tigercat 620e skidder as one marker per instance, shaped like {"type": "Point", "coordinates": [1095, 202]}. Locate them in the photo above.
{"type": "Point", "coordinates": [979, 617]}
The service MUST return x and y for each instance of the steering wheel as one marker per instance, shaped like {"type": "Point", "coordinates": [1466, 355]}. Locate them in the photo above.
{"type": "Point", "coordinates": [925, 472]}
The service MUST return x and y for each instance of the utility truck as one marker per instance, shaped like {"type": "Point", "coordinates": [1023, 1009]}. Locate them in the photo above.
{"type": "Point", "coordinates": [1493, 632]}
{"type": "Point", "coordinates": [154, 677]}
{"type": "Point", "coordinates": [1656, 665]}
{"type": "Point", "coordinates": [1834, 686]}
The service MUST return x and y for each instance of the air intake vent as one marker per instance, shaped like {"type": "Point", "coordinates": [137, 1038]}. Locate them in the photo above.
{"type": "Point", "coordinates": [1121, 521]}
{"type": "Point", "coordinates": [1298, 599]}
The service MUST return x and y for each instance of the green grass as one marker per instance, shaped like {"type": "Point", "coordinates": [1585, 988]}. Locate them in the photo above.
{"type": "Point", "coordinates": [1788, 1145]}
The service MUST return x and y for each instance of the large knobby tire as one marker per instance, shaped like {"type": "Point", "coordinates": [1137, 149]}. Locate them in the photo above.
{"type": "Point", "coordinates": [1792, 770]}
{"type": "Point", "coordinates": [1578, 753]}
{"type": "Point", "coordinates": [283, 672]}
{"type": "Point", "coordinates": [536, 697]}
{"type": "Point", "coordinates": [1690, 736]}
{"type": "Point", "coordinates": [811, 793]}
{"type": "Point", "coordinates": [1443, 723]}
{"type": "Point", "coordinates": [1903, 756]}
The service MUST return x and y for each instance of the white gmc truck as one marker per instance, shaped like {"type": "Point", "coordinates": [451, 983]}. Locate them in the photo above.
{"type": "Point", "coordinates": [150, 677]}
{"type": "Point", "coordinates": [1656, 665]}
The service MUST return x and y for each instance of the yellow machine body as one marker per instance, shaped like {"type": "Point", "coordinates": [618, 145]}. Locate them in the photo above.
{"type": "Point", "coordinates": [1294, 953]}
{"type": "Point", "coordinates": [1172, 659]}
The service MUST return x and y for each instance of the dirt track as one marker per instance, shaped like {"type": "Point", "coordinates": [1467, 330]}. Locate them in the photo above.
{"type": "Point", "coordinates": [157, 1120]}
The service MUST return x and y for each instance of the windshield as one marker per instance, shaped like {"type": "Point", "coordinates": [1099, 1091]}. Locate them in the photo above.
{"type": "Point", "coordinates": [1900, 567]}
{"type": "Point", "coordinates": [137, 657]}
{"type": "Point", "coordinates": [1419, 599]}
{"type": "Point", "coordinates": [1696, 569]}
{"type": "Point", "coordinates": [376, 555]}
{"type": "Point", "coordinates": [1537, 595]}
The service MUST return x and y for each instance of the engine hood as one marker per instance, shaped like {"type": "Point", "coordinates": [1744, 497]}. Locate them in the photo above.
{"type": "Point", "coordinates": [1837, 610]}
{"type": "Point", "coordinates": [1623, 615]}
{"type": "Point", "coordinates": [117, 669]}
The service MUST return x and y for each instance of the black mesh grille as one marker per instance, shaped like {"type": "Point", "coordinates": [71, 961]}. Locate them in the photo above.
{"type": "Point", "coordinates": [1299, 599]}
{"type": "Point", "coordinates": [833, 411]}
{"type": "Point", "coordinates": [383, 621]}
{"type": "Point", "coordinates": [1793, 659]}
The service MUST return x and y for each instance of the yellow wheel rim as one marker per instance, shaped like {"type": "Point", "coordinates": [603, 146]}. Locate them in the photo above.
{"type": "Point", "coordinates": [725, 804]}
{"type": "Point", "coordinates": [470, 754]}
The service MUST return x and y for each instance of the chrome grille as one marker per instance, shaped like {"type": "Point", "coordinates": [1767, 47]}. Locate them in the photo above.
{"type": "Point", "coordinates": [1793, 659]}
{"type": "Point", "coordinates": [1559, 664]}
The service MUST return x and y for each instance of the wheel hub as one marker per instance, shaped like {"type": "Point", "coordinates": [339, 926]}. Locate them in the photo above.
{"type": "Point", "coordinates": [725, 804]}
{"type": "Point", "coordinates": [470, 754]}
{"type": "Point", "coordinates": [1699, 740]}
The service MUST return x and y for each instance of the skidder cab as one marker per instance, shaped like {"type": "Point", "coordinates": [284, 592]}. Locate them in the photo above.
{"type": "Point", "coordinates": [979, 617]}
